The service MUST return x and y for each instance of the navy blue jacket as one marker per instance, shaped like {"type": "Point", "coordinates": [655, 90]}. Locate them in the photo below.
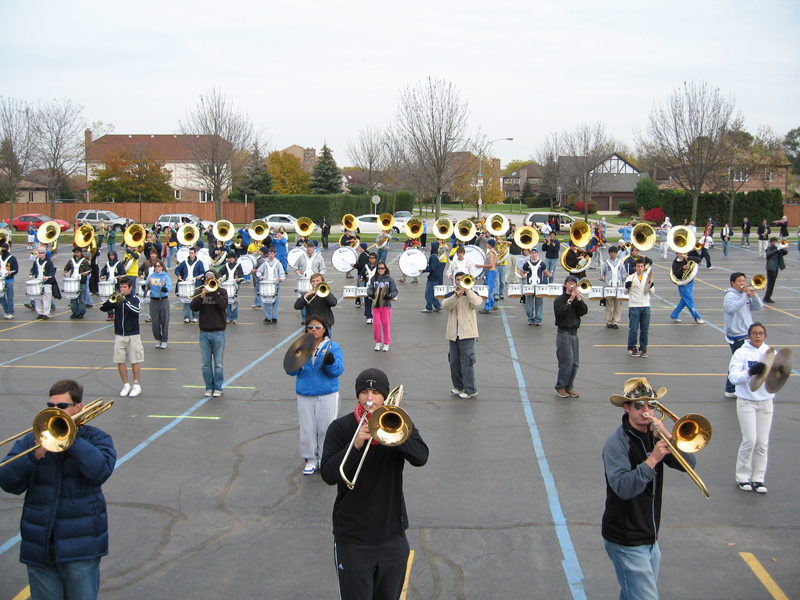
{"type": "Point", "coordinates": [63, 498]}
{"type": "Point", "coordinates": [435, 269]}
{"type": "Point", "coordinates": [126, 315]}
{"type": "Point", "coordinates": [197, 270]}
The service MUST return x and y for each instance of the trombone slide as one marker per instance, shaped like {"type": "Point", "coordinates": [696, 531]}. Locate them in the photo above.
{"type": "Point", "coordinates": [676, 453]}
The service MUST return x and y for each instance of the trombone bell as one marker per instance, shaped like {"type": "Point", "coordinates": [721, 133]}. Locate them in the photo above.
{"type": "Point", "coordinates": [758, 282]}
{"type": "Point", "coordinates": [691, 433]}
{"type": "Point", "coordinates": [584, 285]}
{"type": "Point", "coordinates": [467, 281]}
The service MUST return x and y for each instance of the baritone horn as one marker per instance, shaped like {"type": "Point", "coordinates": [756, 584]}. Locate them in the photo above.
{"type": "Point", "coordinates": [304, 226]}
{"type": "Point", "coordinates": [134, 236]}
{"type": "Point", "coordinates": [466, 230]}
{"type": "Point", "coordinates": [444, 228]}
{"type": "Point", "coordinates": [48, 232]}
{"type": "Point", "coordinates": [223, 230]}
{"type": "Point", "coordinates": [526, 237]}
{"type": "Point", "coordinates": [681, 239]}
{"type": "Point", "coordinates": [188, 234]}
{"type": "Point", "coordinates": [580, 233]}
{"type": "Point", "coordinates": [497, 224]}
{"type": "Point", "coordinates": [643, 237]}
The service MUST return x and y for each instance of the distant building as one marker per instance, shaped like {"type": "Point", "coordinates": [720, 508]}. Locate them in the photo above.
{"type": "Point", "coordinates": [512, 184]}
{"type": "Point", "coordinates": [306, 156]}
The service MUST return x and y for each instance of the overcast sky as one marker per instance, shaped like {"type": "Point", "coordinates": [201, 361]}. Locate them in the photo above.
{"type": "Point", "coordinates": [307, 72]}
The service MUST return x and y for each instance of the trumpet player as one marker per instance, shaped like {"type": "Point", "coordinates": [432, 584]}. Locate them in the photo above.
{"type": "Point", "coordinates": [369, 522]}
{"type": "Point", "coordinates": [740, 300]}
{"type": "Point", "coordinates": [462, 331]}
{"type": "Point", "coordinates": [127, 338]}
{"type": "Point", "coordinates": [211, 306]}
{"type": "Point", "coordinates": [64, 520]}
{"type": "Point", "coordinates": [775, 265]}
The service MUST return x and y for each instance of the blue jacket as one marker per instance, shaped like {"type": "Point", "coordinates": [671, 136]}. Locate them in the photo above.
{"type": "Point", "coordinates": [315, 381]}
{"type": "Point", "coordinates": [161, 291]}
{"type": "Point", "coordinates": [63, 498]}
{"type": "Point", "coordinates": [197, 270]}
{"type": "Point", "coordinates": [126, 317]}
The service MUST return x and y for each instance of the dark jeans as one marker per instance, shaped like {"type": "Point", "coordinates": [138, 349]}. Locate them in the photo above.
{"type": "Point", "coordinates": [639, 321]}
{"type": "Point", "coordinates": [78, 305]}
{"type": "Point", "coordinates": [431, 301]}
{"type": "Point", "coordinates": [729, 387]}
{"type": "Point", "coordinates": [212, 345]}
{"type": "Point", "coordinates": [705, 255]}
{"type": "Point", "coordinates": [568, 355]}
{"type": "Point", "coordinates": [75, 579]}
{"type": "Point", "coordinates": [772, 276]}
{"type": "Point", "coordinates": [462, 364]}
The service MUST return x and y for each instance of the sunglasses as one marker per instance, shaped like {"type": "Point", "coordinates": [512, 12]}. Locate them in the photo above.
{"type": "Point", "coordinates": [60, 405]}
{"type": "Point", "coordinates": [315, 327]}
{"type": "Point", "coordinates": [381, 268]}
{"type": "Point", "coordinates": [639, 404]}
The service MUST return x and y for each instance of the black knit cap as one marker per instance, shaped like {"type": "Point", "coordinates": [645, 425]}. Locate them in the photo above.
{"type": "Point", "coordinates": [373, 379]}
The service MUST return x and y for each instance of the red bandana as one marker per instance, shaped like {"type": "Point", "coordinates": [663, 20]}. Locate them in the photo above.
{"type": "Point", "coordinates": [358, 413]}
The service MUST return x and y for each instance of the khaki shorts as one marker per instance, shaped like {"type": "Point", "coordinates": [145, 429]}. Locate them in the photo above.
{"type": "Point", "coordinates": [128, 348]}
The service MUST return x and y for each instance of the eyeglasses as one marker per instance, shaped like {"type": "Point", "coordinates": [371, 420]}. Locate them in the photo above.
{"type": "Point", "coordinates": [639, 404]}
{"type": "Point", "coordinates": [60, 405]}
{"type": "Point", "coordinates": [315, 327]}
{"type": "Point", "coordinates": [758, 333]}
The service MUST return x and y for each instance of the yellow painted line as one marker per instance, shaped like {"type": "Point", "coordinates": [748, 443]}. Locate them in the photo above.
{"type": "Point", "coordinates": [84, 368]}
{"type": "Point", "coordinates": [665, 346]}
{"type": "Point", "coordinates": [111, 341]}
{"type": "Point", "coordinates": [408, 574]}
{"type": "Point", "coordinates": [34, 321]}
{"type": "Point", "coordinates": [179, 416]}
{"type": "Point", "coordinates": [762, 574]}
{"type": "Point", "coordinates": [24, 594]}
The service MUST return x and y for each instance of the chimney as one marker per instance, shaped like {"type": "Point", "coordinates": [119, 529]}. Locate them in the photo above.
{"type": "Point", "coordinates": [87, 138]}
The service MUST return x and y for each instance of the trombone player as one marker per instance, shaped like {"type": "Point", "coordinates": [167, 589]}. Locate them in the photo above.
{"type": "Point", "coordinates": [64, 520]}
{"type": "Point", "coordinates": [634, 463]}
{"type": "Point", "coordinates": [369, 521]}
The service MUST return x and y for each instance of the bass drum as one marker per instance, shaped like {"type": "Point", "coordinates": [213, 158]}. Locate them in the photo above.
{"type": "Point", "coordinates": [248, 264]}
{"type": "Point", "coordinates": [294, 254]}
{"type": "Point", "coordinates": [182, 255]}
{"type": "Point", "coordinates": [477, 257]}
{"type": "Point", "coordinates": [203, 257]}
{"type": "Point", "coordinates": [342, 259]}
{"type": "Point", "coordinates": [412, 262]}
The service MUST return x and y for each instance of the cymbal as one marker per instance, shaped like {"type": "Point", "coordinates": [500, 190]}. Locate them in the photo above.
{"type": "Point", "coordinates": [299, 352]}
{"type": "Point", "coordinates": [780, 371]}
{"type": "Point", "coordinates": [758, 380]}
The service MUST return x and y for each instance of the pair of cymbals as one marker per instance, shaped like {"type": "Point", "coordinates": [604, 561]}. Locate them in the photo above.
{"type": "Point", "coordinates": [779, 366]}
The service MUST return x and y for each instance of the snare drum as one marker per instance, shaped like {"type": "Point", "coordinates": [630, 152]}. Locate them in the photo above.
{"type": "Point", "coordinates": [542, 290]}
{"type": "Point", "coordinates": [622, 293]}
{"type": "Point", "coordinates": [481, 290]}
{"type": "Point", "coordinates": [343, 258]}
{"type": "Point", "coordinates": [33, 287]}
{"type": "Point", "coordinates": [477, 257]}
{"type": "Point", "coordinates": [303, 285]}
{"type": "Point", "coordinates": [72, 285]}
{"type": "Point", "coordinates": [596, 293]}
{"type": "Point", "coordinates": [555, 289]}
{"type": "Point", "coordinates": [412, 262]}
{"type": "Point", "coordinates": [350, 291]}
{"type": "Point", "coordinates": [610, 292]}
{"type": "Point", "coordinates": [231, 288]}
{"type": "Point", "coordinates": [440, 291]}
{"type": "Point", "coordinates": [514, 290]}
{"type": "Point", "coordinates": [268, 289]}
{"type": "Point", "coordinates": [105, 288]}
{"type": "Point", "coordinates": [185, 291]}
{"type": "Point", "coordinates": [361, 292]}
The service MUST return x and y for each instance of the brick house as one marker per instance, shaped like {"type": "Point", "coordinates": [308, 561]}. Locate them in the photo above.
{"type": "Point", "coordinates": [614, 180]}
{"type": "Point", "coordinates": [171, 150]}
{"type": "Point", "coordinates": [512, 184]}
{"type": "Point", "coordinates": [306, 156]}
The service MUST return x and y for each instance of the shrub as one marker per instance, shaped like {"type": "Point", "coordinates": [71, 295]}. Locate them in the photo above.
{"type": "Point", "coordinates": [624, 207]}
{"type": "Point", "coordinates": [647, 194]}
{"type": "Point", "coordinates": [655, 215]}
{"type": "Point", "coordinates": [571, 200]}
{"type": "Point", "coordinates": [592, 206]}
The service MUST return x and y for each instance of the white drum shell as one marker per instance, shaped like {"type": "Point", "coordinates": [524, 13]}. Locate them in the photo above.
{"type": "Point", "coordinates": [514, 290]}
{"type": "Point", "coordinates": [610, 291]}
{"type": "Point", "coordinates": [267, 289]}
{"type": "Point", "coordinates": [622, 294]}
{"type": "Point", "coordinates": [542, 290]}
{"type": "Point", "coordinates": [185, 291]}
{"type": "Point", "coordinates": [105, 288]}
{"type": "Point", "coordinates": [481, 290]}
{"type": "Point", "coordinates": [361, 292]}
{"type": "Point", "coordinates": [303, 285]}
{"type": "Point", "coordinates": [33, 287]}
{"type": "Point", "coordinates": [72, 285]}
{"type": "Point", "coordinates": [596, 293]}
{"type": "Point", "coordinates": [350, 291]}
{"type": "Point", "coordinates": [556, 289]}
{"type": "Point", "coordinates": [231, 288]}
{"type": "Point", "coordinates": [2, 287]}
{"type": "Point", "coordinates": [440, 291]}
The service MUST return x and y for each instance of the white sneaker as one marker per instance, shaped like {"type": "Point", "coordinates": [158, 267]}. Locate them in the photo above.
{"type": "Point", "coordinates": [676, 320]}
{"type": "Point", "coordinates": [8, 316]}
{"type": "Point", "coordinates": [194, 320]}
{"type": "Point", "coordinates": [386, 347]}
{"type": "Point", "coordinates": [208, 393]}
{"type": "Point", "coordinates": [135, 390]}
{"type": "Point", "coordinates": [163, 345]}
{"type": "Point", "coordinates": [369, 321]}
{"type": "Point", "coordinates": [309, 468]}
{"type": "Point", "coordinates": [730, 395]}
{"type": "Point", "coordinates": [217, 393]}
{"type": "Point", "coordinates": [699, 321]}
{"type": "Point", "coordinates": [378, 347]}
{"type": "Point", "coordinates": [455, 392]}
{"type": "Point", "coordinates": [126, 389]}
{"type": "Point", "coordinates": [186, 320]}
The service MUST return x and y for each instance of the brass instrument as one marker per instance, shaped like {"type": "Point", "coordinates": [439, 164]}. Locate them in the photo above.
{"type": "Point", "coordinates": [259, 230]}
{"type": "Point", "coordinates": [783, 245]}
{"type": "Point", "coordinates": [134, 236]}
{"type": "Point", "coordinates": [117, 297]}
{"type": "Point", "coordinates": [223, 230]}
{"type": "Point", "coordinates": [413, 229]}
{"type": "Point", "coordinates": [321, 290]}
{"type": "Point", "coordinates": [502, 251]}
{"type": "Point", "coordinates": [48, 232]}
{"type": "Point", "coordinates": [212, 285]}
{"type": "Point", "coordinates": [643, 237]}
{"type": "Point", "coordinates": [526, 237]}
{"type": "Point", "coordinates": [84, 236]}
{"type": "Point", "coordinates": [698, 246]}
{"type": "Point", "coordinates": [188, 234]}
{"type": "Point", "coordinates": [758, 282]}
{"type": "Point", "coordinates": [465, 230]}
{"type": "Point", "coordinates": [386, 221]}
{"type": "Point", "coordinates": [304, 226]}
{"type": "Point", "coordinates": [349, 222]}
{"type": "Point", "coordinates": [687, 276]}
{"type": "Point", "coordinates": [584, 285]}
{"type": "Point", "coordinates": [580, 233]}
{"type": "Point", "coordinates": [583, 261]}
{"type": "Point", "coordinates": [467, 281]}
{"type": "Point", "coordinates": [691, 433]}
{"type": "Point", "coordinates": [55, 430]}
{"type": "Point", "coordinates": [497, 224]}
{"type": "Point", "coordinates": [389, 425]}
{"type": "Point", "coordinates": [353, 243]}
{"type": "Point", "coordinates": [681, 239]}
{"type": "Point", "coordinates": [444, 228]}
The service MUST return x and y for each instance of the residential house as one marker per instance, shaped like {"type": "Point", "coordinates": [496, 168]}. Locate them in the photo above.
{"type": "Point", "coordinates": [512, 184]}
{"type": "Point", "coordinates": [306, 156]}
{"type": "Point", "coordinates": [611, 181]}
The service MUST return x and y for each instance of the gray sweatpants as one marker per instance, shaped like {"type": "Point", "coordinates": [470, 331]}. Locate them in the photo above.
{"type": "Point", "coordinates": [159, 312]}
{"type": "Point", "coordinates": [567, 355]}
{"type": "Point", "coordinates": [315, 413]}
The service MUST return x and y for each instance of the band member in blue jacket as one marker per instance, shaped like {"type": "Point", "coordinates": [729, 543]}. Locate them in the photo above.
{"type": "Point", "coordinates": [435, 270]}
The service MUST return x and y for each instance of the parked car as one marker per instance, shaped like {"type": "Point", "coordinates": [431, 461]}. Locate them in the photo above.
{"type": "Point", "coordinates": [287, 221]}
{"type": "Point", "coordinates": [176, 220]}
{"type": "Point", "coordinates": [369, 224]}
{"type": "Point", "coordinates": [565, 221]}
{"type": "Point", "coordinates": [110, 218]}
{"type": "Point", "coordinates": [22, 222]}
{"type": "Point", "coordinates": [401, 217]}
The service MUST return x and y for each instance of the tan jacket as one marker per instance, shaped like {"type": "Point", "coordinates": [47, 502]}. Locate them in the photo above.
{"type": "Point", "coordinates": [462, 320]}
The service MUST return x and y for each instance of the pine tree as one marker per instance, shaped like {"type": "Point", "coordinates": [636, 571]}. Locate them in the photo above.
{"type": "Point", "coordinates": [256, 180]}
{"type": "Point", "coordinates": [326, 178]}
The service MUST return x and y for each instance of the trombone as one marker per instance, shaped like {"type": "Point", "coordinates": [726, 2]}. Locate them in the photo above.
{"type": "Point", "coordinates": [211, 286]}
{"type": "Point", "coordinates": [389, 425]}
{"type": "Point", "coordinates": [321, 290]}
{"type": "Point", "coordinates": [55, 430]}
{"type": "Point", "coordinates": [758, 282]}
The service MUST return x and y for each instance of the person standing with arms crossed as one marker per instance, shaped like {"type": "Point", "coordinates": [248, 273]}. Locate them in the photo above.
{"type": "Point", "coordinates": [763, 239]}
{"type": "Point", "coordinates": [64, 519]}
{"type": "Point", "coordinates": [551, 247]}
{"type": "Point", "coordinates": [569, 307]}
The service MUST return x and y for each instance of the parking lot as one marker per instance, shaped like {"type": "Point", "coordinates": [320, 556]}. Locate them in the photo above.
{"type": "Point", "coordinates": [208, 499]}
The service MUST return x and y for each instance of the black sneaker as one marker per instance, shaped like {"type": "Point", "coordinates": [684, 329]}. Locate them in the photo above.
{"type": "Point", "coordinates": [45, 317]}
{"type": "Point", "coordinates": [29, 306]}
{"type": "Point", "coordinates": [758, 487]}
{"type": "Point", "coordinates": [745, 486]}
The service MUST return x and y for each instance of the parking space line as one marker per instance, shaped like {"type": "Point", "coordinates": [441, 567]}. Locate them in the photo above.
{"type": "Point", "coordinates": [408, 574]}
{"type": "Point", "coordinates": [762, 574]}
{"type": "Point", "coordinates": [24, 594]}
{"type": "Point", "coordinates": [77, 337]}
{"type": "Point", "coordinates": [83, 368]}
{"type": "Point", "coordinates": [570, 564]}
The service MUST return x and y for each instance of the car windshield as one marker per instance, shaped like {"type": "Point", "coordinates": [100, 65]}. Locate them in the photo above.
{"type": "Point", "coordinates": [111, 215]}
{"type": "Point", "coordinates": [402, 213]}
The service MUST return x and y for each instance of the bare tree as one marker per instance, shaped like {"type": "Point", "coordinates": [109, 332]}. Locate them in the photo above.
{"type": "Point", "coordinates": [430, 127]}
{"type": "Point", "coordinates": [16, 147]}
{"type": "Point", "coordinates": [547, 155]}
{"type": "Point", "coordinates": [584, 168]}
{"type": "Point", "coordinates": [58, 144]}
{"type": "Point", "coordinates": [685, 137]}
{"type": "Point", "coordinates": [370, 154]}
{"type": "Point", "coordinates": [218, 137]}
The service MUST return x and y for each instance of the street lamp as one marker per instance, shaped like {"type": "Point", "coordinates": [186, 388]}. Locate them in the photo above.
{"type": "Point", "coordinates": [480, 173]}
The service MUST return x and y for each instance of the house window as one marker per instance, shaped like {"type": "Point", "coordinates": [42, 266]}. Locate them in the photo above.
{"type": "Point", "coordinates": [206, 196]}
{"type": "Point", "coordinates": [767, 175]}
{"type": "Point", "coordinates": [739, 175]}
{"type": "Point", "coordinates": [30, 196]}
{"type": "Point", "coordinates": [177, 194]}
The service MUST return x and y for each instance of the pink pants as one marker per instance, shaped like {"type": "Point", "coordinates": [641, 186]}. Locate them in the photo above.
{"type": "Point", "coordinates": [382, 317]}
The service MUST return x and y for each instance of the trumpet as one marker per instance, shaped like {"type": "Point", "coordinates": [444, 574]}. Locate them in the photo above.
{"type": "Point", "coordinates": [212, 285]}
{"type": "Point", "coordinates": [389, 425]}
{"type": "Point", "coordinates": [117, 297]}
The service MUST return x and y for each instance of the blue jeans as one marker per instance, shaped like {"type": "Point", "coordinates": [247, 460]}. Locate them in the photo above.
{"type": "Point", "coordinates": [172, 252]}
{"type": "Point", "coordinates": [534, 307]}
{"type": "Point", "coordinates": [491, 276]}
{"type": "Point", "coordinates": [257, 301]}
{"type": "Point", "coordinates": [76, 579]}
{"type": "Point", "coordinates": [729, 387]}
{"type": "Point", "coordinates": [550, 265]}
{"type": "Point", "coordinates": [500, 282]}
{"type": "Point", "coordinates": [188, 313]}
{"type": "Point", "coordinates": [78, 305]}
{"type": "Point", "coordinates": [212, 345]}
{"type": "Point", "coordinates": [637, 570]}
{"type": "Point", "coordinates": [462, 364]}
{"type": "Point", "coordinates": [382, 254]}
{"type": "Point", "coordinates": [725, 247]}
{"type": "Point", "coordinates": [639, 320]}
{"type": "Point", "coordinates": [271, 310]}
{"type": "Point", "coordinates": [431, 302]}
{"type": "Point", "coordinates": [87, 295]}
{"type": "Point", "coordinates": [687, 301]}
{"type": "Point", "coordinates": [8, 300]}
{"type": "Point", "coordinates": [232, 310]}
{"type": "Point", "coordinates": [111, 243]}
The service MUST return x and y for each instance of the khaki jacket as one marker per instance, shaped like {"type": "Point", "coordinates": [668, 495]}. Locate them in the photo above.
{"type": "Point", "coordinates": [462, 315]}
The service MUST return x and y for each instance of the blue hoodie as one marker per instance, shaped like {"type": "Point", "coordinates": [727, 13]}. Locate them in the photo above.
{"type": "Point", "coordinates": [315, 381]}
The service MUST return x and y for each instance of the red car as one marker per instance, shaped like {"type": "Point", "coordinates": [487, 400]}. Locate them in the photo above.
{"type": "Point", "coordinates": [22, 222]}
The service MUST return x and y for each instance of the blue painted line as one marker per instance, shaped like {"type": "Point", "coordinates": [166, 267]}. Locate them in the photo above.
{"type": "Point", "coordinates": [8, 362]}
{"type": "Point", "coordinates": [16, 539]}
{"type": "Point", "coordinates": [570, 564]}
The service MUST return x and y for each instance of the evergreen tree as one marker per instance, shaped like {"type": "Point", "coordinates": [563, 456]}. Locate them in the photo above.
{"type": "Point", "coordinates": [326, 178]}
{"type": "Point", "coordinates": [256, 180]}
{"type": "Point", "coordinates": [527, 193]}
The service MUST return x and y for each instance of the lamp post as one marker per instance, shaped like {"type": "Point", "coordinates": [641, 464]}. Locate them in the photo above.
{"type": "Point", "coordinates": [480, 173]}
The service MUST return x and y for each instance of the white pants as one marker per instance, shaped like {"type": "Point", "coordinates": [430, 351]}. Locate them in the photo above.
{"type": "Point", "coordinates": [755, 420]}
{"type": "Point", "coordinates": [762, 248]}
{"type": "Point", "coordinates": [43, 304]}
{"type": "Point", "coordinates": [315, 413]}
{"type": "Point", "coordinates": [664, 248]}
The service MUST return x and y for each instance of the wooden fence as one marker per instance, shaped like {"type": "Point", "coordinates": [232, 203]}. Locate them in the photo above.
{"type": "Point", "coordinates": [792, 211]}
{"type": "Point", "coordinates": [146, 212]}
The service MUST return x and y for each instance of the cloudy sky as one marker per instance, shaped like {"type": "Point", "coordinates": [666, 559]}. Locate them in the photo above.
{"type": "Point", "coordinates": [308, 71]}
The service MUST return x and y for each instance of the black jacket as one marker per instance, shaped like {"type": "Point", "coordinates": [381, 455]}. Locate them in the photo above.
{"type": "Point", "coordinates": [568, 316]}
{"type": "Point", "coordinates": [318, 307]}
{"type": "Point", "coordinates": [126, 314]}
{"type": "Point", "coordinates": [775, 258]}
